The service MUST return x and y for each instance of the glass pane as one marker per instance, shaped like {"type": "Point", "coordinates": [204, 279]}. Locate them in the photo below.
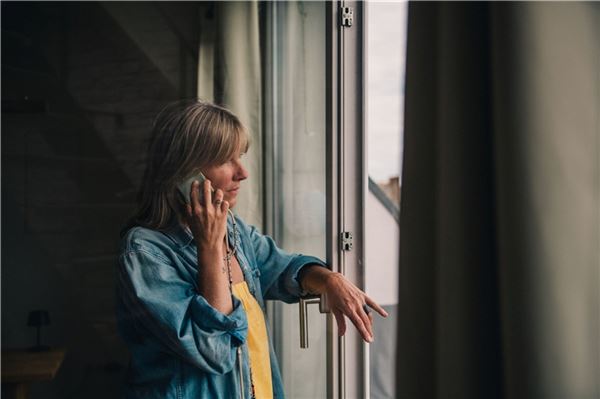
{"type": "Point", "coordinates": [386, 49]}
{"type": "Point", "coordinates": [82, 82]}
{"type": "Point", "coordinates": [296, 43]}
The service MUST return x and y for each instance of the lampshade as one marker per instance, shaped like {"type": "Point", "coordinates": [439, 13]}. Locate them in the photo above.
{"type": "Point", "coordinates": [38, 318]}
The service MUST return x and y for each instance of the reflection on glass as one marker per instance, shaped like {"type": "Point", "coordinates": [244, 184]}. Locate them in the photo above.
{"type": "Point", "coordinates": [386, 49]}
{"type": "Point", "coordinates": [296, 118]}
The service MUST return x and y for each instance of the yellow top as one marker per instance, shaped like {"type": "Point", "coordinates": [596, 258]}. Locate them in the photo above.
{"type": "Point", "coordinates": [258, 342]}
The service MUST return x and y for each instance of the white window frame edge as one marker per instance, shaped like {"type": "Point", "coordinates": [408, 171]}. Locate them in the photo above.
{"type": "Point", "coordinates": [347, 184]}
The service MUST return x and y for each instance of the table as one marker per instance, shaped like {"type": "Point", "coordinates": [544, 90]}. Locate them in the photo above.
{"type": "Point", "coordinates": [20, 367]}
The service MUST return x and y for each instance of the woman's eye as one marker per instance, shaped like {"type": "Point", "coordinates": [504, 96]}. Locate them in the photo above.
{"type": "Point", "coordinates": [238, 159]}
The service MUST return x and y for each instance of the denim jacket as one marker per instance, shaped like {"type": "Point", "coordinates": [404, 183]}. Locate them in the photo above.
{"type": "Point", "coordinates": [181, 347]}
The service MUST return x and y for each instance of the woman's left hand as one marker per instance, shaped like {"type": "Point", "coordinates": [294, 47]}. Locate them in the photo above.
{"type": "Point", "coordinates": [345, 299]}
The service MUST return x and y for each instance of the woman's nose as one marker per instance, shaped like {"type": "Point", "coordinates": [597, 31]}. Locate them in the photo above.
{"type": "Point", "coordinates": [242, 173]}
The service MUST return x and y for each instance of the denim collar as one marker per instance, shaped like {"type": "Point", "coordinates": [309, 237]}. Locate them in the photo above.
{"type": "Point", "coordinates": [182, 236]}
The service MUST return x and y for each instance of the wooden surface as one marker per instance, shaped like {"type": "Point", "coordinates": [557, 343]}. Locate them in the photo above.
{"type": "Point", "coordinates": [17, 390]}
{"type": "Point", "coordinates": [25, 366]}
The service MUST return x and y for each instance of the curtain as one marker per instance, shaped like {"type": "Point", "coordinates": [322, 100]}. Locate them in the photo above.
{"type": "Point", "coordinates": [500, 248]}
{"type": "Point", "coordinates": [229, 74]}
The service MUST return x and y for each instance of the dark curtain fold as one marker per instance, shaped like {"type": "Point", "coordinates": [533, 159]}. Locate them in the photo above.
{"type": "Point", "coordinates": [501, 114]}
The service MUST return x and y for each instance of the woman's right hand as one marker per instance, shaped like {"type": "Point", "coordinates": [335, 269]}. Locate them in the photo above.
{"type": "Point", "coordinates": [207, 216]}
{"type": "Point", "coordinates": [207, 219]}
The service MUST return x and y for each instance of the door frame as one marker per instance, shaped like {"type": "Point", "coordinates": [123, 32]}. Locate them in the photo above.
{"type": "Point", "coordinates": [347, 184]}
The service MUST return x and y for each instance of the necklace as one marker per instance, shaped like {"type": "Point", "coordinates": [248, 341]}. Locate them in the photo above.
{"type": "Point", "coordinates": [230, 252]}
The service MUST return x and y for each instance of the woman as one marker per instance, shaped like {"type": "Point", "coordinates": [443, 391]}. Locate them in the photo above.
{"type": "Point", "coordinates": [192, 278]}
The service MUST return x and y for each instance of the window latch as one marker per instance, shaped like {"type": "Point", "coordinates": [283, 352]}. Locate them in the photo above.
{"type": "Point", "coordinates": [347, 16]}
{"type": "Point", "coordinates": [346, 241]}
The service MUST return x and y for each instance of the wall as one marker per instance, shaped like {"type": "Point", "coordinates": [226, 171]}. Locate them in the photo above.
{"type": "Point", "coordinates": [81, 85]}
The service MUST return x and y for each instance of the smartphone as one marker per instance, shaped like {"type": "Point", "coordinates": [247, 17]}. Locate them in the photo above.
{"type": "Point", "coordinates": [186, 186]}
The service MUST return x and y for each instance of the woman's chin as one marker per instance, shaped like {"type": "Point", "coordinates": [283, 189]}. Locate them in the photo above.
{"type": "Point", "coordinates": [232, 202]}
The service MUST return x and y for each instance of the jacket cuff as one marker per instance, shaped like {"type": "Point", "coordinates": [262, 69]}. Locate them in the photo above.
{"type": "Point", "coordinates": [208, 318]}
{"type": "Point", "coordinates": [293, 285]}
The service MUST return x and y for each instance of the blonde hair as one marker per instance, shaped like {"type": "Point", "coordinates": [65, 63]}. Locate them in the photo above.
{"type": "Point", "coordinates": [187, 136]}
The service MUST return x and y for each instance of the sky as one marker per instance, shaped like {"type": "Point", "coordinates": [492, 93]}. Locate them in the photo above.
{"type": "Point", "coordinates": [386, 54]}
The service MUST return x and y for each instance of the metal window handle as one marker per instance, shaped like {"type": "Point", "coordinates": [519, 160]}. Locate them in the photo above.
{"type": "Point", "coordinates": [304, 302]}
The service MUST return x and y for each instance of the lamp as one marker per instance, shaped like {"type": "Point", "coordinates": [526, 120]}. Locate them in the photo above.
{"type": "Point", "coordinates": [38, 318]}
